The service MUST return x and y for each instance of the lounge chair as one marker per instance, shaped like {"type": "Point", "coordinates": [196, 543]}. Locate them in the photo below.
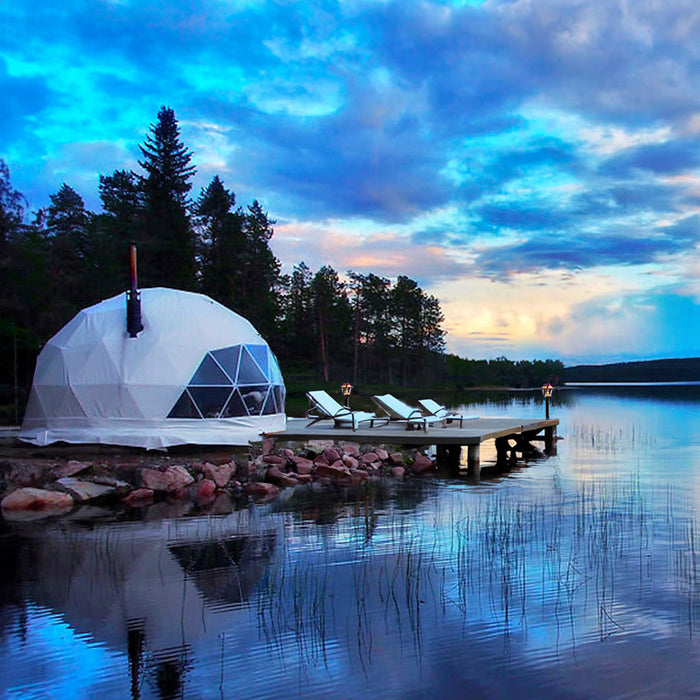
{"type": "Point", "coordinates": [325, 407]}
{"type": "Point", "coordinates": [433, 408]}
{"type": "Point", "coordinates": [400, 412]}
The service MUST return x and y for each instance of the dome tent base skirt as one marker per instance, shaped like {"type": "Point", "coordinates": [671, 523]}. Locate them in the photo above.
{"type": "Point", "coordinates": [153, 434]}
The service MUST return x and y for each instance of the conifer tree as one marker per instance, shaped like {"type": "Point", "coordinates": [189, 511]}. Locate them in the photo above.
{"type": "Point", "coordinates": [221, 243]}
{"type": "Point", "coordinates": [168, 247]}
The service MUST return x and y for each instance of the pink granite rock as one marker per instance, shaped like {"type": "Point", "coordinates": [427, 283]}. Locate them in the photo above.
{"type": "Point", "coordinates": [350, 448]}
{"type": "Point", "coordinates": [220, 474]}
{"type": "Point", "coordinates": [422, 464]}
{"type": "Point", "coordinates": [382, 454]}
{"type": "Point", "coordinates": [331, 455]}
{"type": "Point", "coordinates": [350, 462]}
{"type": "Point", "coordinates": [154, 479]}
{"type": "Point", "coordinates": [325, 470]}
{"type": "Point", "coordinates": [303, 465]}
{"type": "Point", "coordinates": [276, 476]}
{"type": "Point", "coordinates": [396, 458]}
{"type": "Point", "coordinates": [369, 457]}
{"type": "Point", "coordinates": [173, 479]}
{"type": "Point", "coordinates": [71, 467]}
{"type": "Point", "coordinates": [275, 459]}
{"type": "Point", "coordinates": [30, 498]}
{"type": "Point", "coordinates": [398, 472]}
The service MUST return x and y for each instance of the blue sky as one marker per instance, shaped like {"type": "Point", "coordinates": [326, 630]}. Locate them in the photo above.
{"type": "Point", "coordinates": [535, 164]}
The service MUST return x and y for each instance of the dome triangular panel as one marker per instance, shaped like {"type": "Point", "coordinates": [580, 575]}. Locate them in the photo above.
{"type": "Point", "coordinates": [249, 372]}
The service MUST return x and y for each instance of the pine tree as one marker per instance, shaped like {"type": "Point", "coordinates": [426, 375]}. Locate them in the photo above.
{"type": "Point", "coordinates": [221, 243]}
{"type": "Point", "coordinates": [12, 205]}
{"type": "Point", "coordinates": [168, 247]}
{"type": "Point", "coordinates": [69, 257]}
{"type": "Point", "coordinates": [260, 284]}
{"type": "Point", "coordinates": [120, 224]}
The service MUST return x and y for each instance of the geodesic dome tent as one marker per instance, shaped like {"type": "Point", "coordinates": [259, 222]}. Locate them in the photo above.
{"type": "Point", "coordinates": [197, 373]}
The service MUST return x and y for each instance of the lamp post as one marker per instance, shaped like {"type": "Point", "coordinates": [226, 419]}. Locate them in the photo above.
{"type": "Point", "coordinates": [547, 393]}
{"type": "Point", "coordinates": [346, 389]}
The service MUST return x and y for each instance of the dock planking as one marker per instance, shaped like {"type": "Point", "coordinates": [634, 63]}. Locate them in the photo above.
{"type": "Point", "coordinates": [449, 440]}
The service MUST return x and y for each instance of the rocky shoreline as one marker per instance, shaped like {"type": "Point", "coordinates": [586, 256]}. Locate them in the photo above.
{"type": "Point", "coordinates": [54, 485]}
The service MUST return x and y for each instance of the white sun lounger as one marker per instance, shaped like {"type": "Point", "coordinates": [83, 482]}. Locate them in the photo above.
{"type": "Point", "coordinates": [325, 407]}
{"type": "Point", "coordinates": [400, 412]}
{"type": "Point", "coordinates": [433, 408]}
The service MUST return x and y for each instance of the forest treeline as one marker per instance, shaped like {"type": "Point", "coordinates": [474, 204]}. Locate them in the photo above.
{"type": "Point", "coordinates": [323, 326]}
{"type": "Point", "coordinates": [669, 370]}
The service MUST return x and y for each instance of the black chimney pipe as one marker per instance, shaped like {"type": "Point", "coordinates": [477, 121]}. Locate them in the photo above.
{"type": "Point", "coordinates": [133, 300]}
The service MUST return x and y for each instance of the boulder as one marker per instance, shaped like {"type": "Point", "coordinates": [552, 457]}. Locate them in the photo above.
{"type": "Point", "coordinates": [351, 448]}
{"type": "Point", "coordinates": [382, 454]}
{"type": "Point", "coordinates": [83, 491]}
{"type": "Point", "coordinates": [358, 476]}
{"type": "Point", "coordinates": [276, 476]}
{"type": "Point", "coordinates": [369, 457]}
{"type": "Point", "coordinates": [331, 455]}
{"type": "Point", "coordinates": [220, 474]}
{"type": "Point", "coordinates": [398, 472]}
{"type": "Point", "coordinates": [30, 498]}
{"type": "Point", "coordinates": [396, 458]}
{"type": "Point", "coordinates": [205, 490]}
{"type": "Point", "coordinates": [275, 459]}
{"type": "Point", "coordinates": [70, 468]}
{"type": "Point", "coordinates": [350, 462]}
{"type": "Point", "coordinates": [303, 465]}
{"type": "Point", "coordinates": [422, 464]}
{"type": "Point", "coordinates": [173, 479]}
{"type": "Point", "coordinates": [154, 479]}
{"type": "Point", "coordinates": [325, 470]}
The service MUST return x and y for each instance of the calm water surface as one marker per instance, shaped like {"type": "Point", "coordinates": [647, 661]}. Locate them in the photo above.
{"type": "Point", "coordinates": [575, 576]}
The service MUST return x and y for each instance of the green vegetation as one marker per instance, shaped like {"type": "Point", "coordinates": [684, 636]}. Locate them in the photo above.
{"type": "Point", "coordinates": [322, 326]}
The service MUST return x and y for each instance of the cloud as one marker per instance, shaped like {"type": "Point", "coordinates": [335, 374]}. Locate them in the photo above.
{"type": "Point", "coordinates": [668, 158]}
{"type": "Point", "coordinates": [436, 139]}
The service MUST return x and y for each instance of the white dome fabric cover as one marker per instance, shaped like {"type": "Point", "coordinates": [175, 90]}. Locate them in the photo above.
{"type": "Point", "coordinates": [198, 374]}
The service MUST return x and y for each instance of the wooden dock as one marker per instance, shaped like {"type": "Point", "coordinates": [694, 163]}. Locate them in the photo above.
{"type": "Point", "coordinates": [511, 435]}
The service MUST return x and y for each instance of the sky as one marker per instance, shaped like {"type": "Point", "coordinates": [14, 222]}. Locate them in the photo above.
{"type": "Point", "coordinates": [534, 164]}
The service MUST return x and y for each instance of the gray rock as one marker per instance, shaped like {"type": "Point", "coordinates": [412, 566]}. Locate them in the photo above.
{"type": "Point", "coordinates": [83, 491]}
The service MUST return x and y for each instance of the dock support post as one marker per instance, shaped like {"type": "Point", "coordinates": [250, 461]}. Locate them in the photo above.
{"type": "Point", "coordinates": [550, 440]}
{"type": "Point", "coordinates": [474, 461]}
{"type": "Point", "coordinates": [502, 451]}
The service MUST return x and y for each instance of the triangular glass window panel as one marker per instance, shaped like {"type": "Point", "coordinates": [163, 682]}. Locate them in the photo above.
{"type": "Point", "coordinates": [184, 408]}
{"type": "Point", "coordinates": [254, 398]}
{"type": "Point", "coordinates": [259, 352]}
{"type": "Point", "coordinates": [279, 397]}
{"type": "Point", "coordinates": [269, 406]}
{"type": "Point", "coordinates": [228, 359]}
{"type": "Point", "coordinates": [210, 399]}
{"type": "Point", "coordinates": [209, 374]}
{"type": "Point", "coordinates": [235, 406]}
{"type": "Point", "coordinates": [274, 373]}
{"type": "Point", "coordinates": [249, 372]}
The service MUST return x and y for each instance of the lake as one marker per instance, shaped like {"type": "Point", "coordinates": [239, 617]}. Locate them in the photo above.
{"type": "Point", "coordinates": [573, 576]}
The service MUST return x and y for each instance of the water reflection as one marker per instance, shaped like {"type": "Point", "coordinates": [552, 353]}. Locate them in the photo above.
{"type": "Point", "coordinates": [575, 576]}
